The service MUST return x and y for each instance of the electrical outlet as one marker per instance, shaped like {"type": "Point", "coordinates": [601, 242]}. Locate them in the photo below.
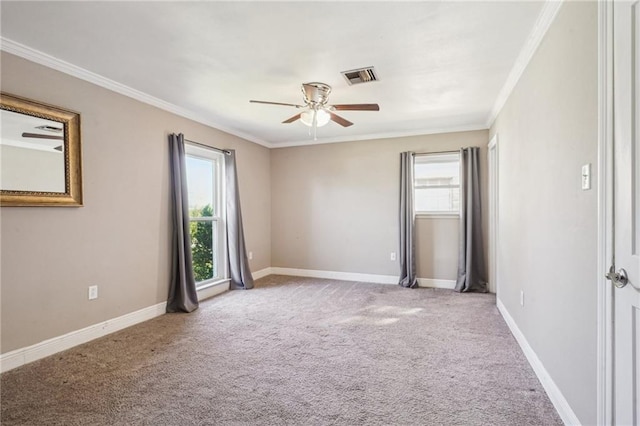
{"type": "Point", "coordinates": [521, 298]}
{"type": "Point", "coordinates": [93, 292]}
{"type": "Point", "coordinates": [250, 255]}
{"type": "Point", "coordinates": [393, 255]}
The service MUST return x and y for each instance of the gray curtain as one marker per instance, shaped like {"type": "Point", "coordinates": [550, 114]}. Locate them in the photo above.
{"type": "Point", "coordinates": [182, 290]}
{"type": "Point", "coordinates": [238, 264]}
{"type": "Point", "coordinates": [471, 267]}
{"type": "Point", "coordinates": [407, 223]}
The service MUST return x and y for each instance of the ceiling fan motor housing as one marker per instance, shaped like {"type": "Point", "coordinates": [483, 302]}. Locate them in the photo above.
{"type": "Point", "coordinates": [316, 93]}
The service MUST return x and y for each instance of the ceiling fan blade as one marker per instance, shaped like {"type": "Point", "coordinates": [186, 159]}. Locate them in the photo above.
{"type": "Point", "coordinates": [275, 103]}
{"type": "Point", "coordinates": [39, 136]}
{"type": "Point", "coordinates": [341, 121]}
{"type": "Point", "coordinates": [357, 107]}
{"type": "Point", "coordinates": [292, 119]}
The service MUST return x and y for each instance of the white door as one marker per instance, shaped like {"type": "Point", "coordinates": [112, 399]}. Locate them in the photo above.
{"type": "Point", "coordinates": [626, 272]}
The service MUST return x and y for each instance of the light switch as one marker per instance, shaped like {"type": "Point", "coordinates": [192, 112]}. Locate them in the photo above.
{"type": "Point", "coordinates": [586, 176]}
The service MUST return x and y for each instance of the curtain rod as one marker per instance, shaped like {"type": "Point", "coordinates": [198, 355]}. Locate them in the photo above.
{"type": "Point", "coordinates": [436, 152]}
{"type": "Point", "coordinates": [225, 151]}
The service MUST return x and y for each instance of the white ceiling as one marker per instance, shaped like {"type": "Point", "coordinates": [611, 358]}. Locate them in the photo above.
{"type": "Point", "coordinates": [14, 125]}
{"type": "Point", "coordinates": [441, 64]}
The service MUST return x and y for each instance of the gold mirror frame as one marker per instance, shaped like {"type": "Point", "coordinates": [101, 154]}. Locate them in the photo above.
{"type": "Point", "coordinates": [72, 196]}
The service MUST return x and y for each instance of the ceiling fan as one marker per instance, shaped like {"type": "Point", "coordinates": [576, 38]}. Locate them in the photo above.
{"type": "Point", "coordinates": [39, 136]}
{"type": "Point", "coordinates": [45, 136]}
{"type": "Point", "coordinates": [46, 128]}
{"type": "Point", "coordinates": [317, 112]}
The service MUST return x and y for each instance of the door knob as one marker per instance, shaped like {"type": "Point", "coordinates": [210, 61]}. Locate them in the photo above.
{"type": "Point", "coordinates": [619, 279]}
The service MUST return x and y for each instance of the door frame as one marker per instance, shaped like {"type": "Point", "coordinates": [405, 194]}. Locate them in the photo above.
{"type": "Point", "coordinates": [604, 361]}
{"type": "Point", "coordinates": [492, 160]}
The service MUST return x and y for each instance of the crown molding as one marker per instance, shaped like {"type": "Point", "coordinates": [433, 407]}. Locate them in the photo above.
{"type": "Point", "coordinates": [544, 21]}
{"type": "Point", "coordinates": [49, 61]}
{"type": "Point", "coordinates": [52, 62]}
{"type": "Point", "coordinates": [388, 135]}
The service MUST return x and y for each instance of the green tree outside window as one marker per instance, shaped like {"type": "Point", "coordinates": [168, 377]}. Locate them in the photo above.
{"type": "Point", "coordinates": [202, 244]}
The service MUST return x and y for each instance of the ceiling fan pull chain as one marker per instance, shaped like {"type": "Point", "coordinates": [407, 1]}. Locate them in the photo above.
{"type": "Point", "coordinates": [315, 124]}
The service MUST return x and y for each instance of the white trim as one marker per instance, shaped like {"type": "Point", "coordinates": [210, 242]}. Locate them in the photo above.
{"type": "Point", "coordinates": [493, 162]}
{"type": "Point", "coordinates": [555, 395]}
{"type": "Point", "coordinates": [261, 273]}
{"type": "Point", "coordinates": [546, 17]}
{"type": "Point", "coordinates": [54, 345]}
{"type": "Point", "coordinates": [493, 142]}
{"type": "Point", "coordinates": [387, 135]}
{"type": "Point", "coordinates": [353, 276]}
{"type": "Point", "coordinates": [213, 289]}
{"type": "Point", "coordinates": [334, 275]}
{"type": "Point", "coordinates": [435, 283]}
{"type": "Point", "coordinates": [604, 348]}
{"type": "Point", "coordinates": [437, 216]}
{"type": "Point", "coordinates": [52, 62]}
{"type": "Point", "coordinates": [218, 194]}
{"type": "Point", "coordinates": [47, 60]}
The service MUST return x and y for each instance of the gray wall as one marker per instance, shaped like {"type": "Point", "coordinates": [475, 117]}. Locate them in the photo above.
{"type": "Point", "coordinates": [335, 206]}
{"type": "Point", "coordinates": [120, 239]}
{"type": "Point", "coordinates": [547, 225]}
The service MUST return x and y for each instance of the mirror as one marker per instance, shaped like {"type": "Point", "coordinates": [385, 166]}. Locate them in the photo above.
{"type": "Point", "coordinates": [40, 159]}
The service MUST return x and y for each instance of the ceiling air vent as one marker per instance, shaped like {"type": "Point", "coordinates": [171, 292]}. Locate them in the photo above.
{"type": "Point", "coordinates": [361, 75]}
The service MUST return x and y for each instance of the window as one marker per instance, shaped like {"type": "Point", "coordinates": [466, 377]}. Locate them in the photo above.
{"type": "Point", "coordinates": [205, 183]}
{"type": "Point", "coordinates": [437, 184]}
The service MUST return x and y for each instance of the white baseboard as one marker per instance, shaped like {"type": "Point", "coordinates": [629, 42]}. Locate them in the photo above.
{"type": "Point", "coordinates": [261, 273]}
{"type": "Point", "coordinates": [333, 275]}
{"type": "Point", "coordinates": [434, 283]}
{"type": "Point", "coordinates": [352, 276]}
{"type": "Point", "coordinates": [18, 357]}
{"type": "Point", "coordinates": [555, 395]}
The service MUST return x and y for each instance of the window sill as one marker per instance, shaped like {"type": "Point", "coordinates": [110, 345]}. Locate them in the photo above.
{"type": "Point", "coordinates": [213, 283]}
{"type": "Point", "coordinates": [437, 215]}
{"type": "Point", "coordinates": [212, 289]}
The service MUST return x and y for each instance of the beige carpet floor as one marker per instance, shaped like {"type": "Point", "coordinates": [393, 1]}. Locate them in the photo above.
{"type": "Point", "coordinates": [293, 351]}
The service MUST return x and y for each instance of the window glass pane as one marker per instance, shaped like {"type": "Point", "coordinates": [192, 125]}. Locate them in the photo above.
{"type": "Point", "coordinates": [200, 178]}
{"type": "Point", "coordinates": [437, 200]}
{"type": "Point", "coordinates": [437, 183]}
{"type": "Point", "coordinates": [203, 247]}
{"type": "Point", "coordinates": [435, 170]}
{"type": "Point", "coordinates": [204, 183]}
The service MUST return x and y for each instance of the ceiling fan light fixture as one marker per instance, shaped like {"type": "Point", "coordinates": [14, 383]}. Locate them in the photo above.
{"type": "Point", "coordinates": [322, 117]}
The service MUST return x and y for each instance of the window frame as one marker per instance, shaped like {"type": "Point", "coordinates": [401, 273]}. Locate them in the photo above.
{"type": "Point", "coordinates": [449, 214]}
{"type": "Point", "coordinates": [219, 211]}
